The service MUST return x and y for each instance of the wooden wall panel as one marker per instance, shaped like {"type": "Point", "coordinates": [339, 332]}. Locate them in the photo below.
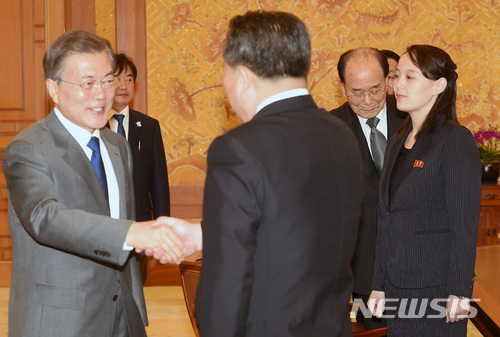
{"type": "Point", "coordinates": [54, 19]}
{"type": "Point", "coordinates": [185, 202]}
{"type": "Point", "coordinates": [26, 25]}
{"type": "Point", "coordinates": [131, 39]}
{"type": "Point", "coordinates": [23, 32]}
{"type": "Point", "coordinates": [23, 100]}
{"type": "Point", "coordinates": [79, 14]}
{"type": "Point", "coordinates": [11, 65]}
{"type": "Point", "coordinates": [6, 273]}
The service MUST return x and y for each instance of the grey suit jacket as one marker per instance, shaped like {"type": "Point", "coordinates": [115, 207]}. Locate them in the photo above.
{"type": "Point", "coordinates": [364, 255]}
{"type": "Point", "coordinates": [68, 259]}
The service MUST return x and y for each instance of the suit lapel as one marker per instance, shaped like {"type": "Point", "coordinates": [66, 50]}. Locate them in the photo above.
{"type": "Point", "coordinates": [134, 130]}
{"type": "Point", "coordinates": [76, 158]}
{"type": "Point", "coordinates": [393, 117]}
{"type": "Point", "coordinates": [418, 153]}
{"type": "Point", "coordinates": [390, 159]}
{"type": "Point", "coordinates": [414, 164]}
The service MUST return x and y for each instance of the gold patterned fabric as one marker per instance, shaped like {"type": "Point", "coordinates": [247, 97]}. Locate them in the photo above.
{"type": "Point", "coordinates": [185, 39]}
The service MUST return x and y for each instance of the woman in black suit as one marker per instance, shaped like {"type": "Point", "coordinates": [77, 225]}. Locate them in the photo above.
{"type": "Point", "coordinates": [429, 199]}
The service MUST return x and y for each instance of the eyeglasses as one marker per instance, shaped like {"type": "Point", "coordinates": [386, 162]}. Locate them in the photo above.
{"type": "Point", "coordinates": [89, 86]}
{"type": "Point", "coordinates": [374, 94]}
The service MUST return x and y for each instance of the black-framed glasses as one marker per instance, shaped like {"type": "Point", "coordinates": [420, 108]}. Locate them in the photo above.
{"type": "Point", "coordinates": [90, 85]}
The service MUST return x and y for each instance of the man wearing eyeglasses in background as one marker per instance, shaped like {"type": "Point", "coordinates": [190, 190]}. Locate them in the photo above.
{"type": "Point", "coordinates": [374, 118]}
{"type": "Point", "coordinates": [71, 196]}
{"type": "Point", "coordinates": [392, 59]}
{"type": "Point", "coordinates": [152, 196]}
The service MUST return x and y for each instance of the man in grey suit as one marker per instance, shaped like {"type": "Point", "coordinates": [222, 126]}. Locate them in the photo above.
{"type": "Point", "coordinates": [363, 77]}
{"type": "Point", "coordinates": [70, 194]}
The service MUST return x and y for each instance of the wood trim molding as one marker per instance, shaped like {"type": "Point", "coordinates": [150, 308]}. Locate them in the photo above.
{"type": "Point", "coordinates": [6, 272]}
{"type": "Point", "coordinates": [131, 40]}
{"type": "Point", "coordinates": [79, 14]}
{"type": "Point", "coordinates": [185, 202]}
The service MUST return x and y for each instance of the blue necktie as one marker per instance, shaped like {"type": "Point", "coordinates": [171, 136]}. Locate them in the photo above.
{"type": "Point", "coordinates": [98, 165]}
{"type": "Point", "coordinates": [120, 129]}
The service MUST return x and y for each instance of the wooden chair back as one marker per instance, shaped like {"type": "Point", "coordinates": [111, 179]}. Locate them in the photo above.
{"type": "Point", "coordinates": [190, 275]}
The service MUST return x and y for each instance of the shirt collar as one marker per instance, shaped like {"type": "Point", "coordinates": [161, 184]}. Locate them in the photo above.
{"type": "Point", "coordinates": [81, 135]}
{"type": "Point", "coordinates": [281, 96]}
{"type": "Point", "coordinates": [124, 112]}
{"type": "Point", "coordinates": [382, 115]}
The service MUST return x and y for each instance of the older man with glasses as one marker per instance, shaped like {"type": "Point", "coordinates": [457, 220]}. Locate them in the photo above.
{"type": "Point", "coordinates": [71, 207]}
{"type": "Point", "coordinates": [373, 117]}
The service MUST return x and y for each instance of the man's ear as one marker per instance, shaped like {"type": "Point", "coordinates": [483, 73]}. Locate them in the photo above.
{"type": "Point", "coordinates": [440, 85]}
{"type": "Point", "coordinates": [53, 89]}
{"type": "Point", "coordinates": [247, 86]}
{"type": "Point", "coordinates": [342, 86]}
{"type": "Point", "coordinates": [245, 78]}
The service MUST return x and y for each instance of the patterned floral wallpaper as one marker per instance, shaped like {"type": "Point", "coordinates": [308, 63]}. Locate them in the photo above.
{"type": "Point", "coordinates": [185, 39]}
{"type": "Point", "coordinates": [106, 20]}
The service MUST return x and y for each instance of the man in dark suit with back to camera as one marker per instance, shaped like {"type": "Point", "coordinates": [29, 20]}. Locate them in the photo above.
{"type": "Point", "coordinates": [282, 196]}
{"type": "Point", "coordinates": [152, 196]}
{"type": "Point", "coordinates": [71, 198]}
{"type": "Point", "coordinates": [373, 118]}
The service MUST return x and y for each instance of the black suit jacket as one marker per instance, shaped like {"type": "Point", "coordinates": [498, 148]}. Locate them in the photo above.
{"type": "Point", "coordinates": [152, 196]}
{"type": "Point", "coordinates": [364, 255]}
{"type": "Point", "coordinates": [428, 230]}
{"type": "Point", "coordinates": [281, 211]}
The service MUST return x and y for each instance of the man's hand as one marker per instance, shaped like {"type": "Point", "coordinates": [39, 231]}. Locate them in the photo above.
{"type": "Point", "coordinates": [190, 233]}
{"type": "Point", "coordinates": [376, 303]}
{"type": "Point", "coordinates": [457, 308]}
{"type": "Point", "coordinates": [160, 241]}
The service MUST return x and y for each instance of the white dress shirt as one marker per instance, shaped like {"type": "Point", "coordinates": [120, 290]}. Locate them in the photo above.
{"type": "Point", "coordinates": [281, 96]}
{"type": "Point", "coordinates": [82, 136]}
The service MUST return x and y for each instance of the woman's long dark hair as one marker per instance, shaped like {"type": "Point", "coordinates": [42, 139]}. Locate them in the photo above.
{"type": "Point", "coordinates": [435, 63]}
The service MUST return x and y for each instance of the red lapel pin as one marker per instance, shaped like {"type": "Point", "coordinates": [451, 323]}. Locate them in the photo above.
{"type": "Point", "coordinates": [418, 163]}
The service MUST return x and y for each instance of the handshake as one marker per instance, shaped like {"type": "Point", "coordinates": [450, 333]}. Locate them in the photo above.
{"type": "Point", "coordinates": [167, 239]}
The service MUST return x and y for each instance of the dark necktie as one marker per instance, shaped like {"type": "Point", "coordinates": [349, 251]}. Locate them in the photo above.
{"type": "Point", "coordinates": [120, 129]}
{"type": "Point", "coordinates": [97, 163]}
{"type": "Point", "coordinates": [378, 143]}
